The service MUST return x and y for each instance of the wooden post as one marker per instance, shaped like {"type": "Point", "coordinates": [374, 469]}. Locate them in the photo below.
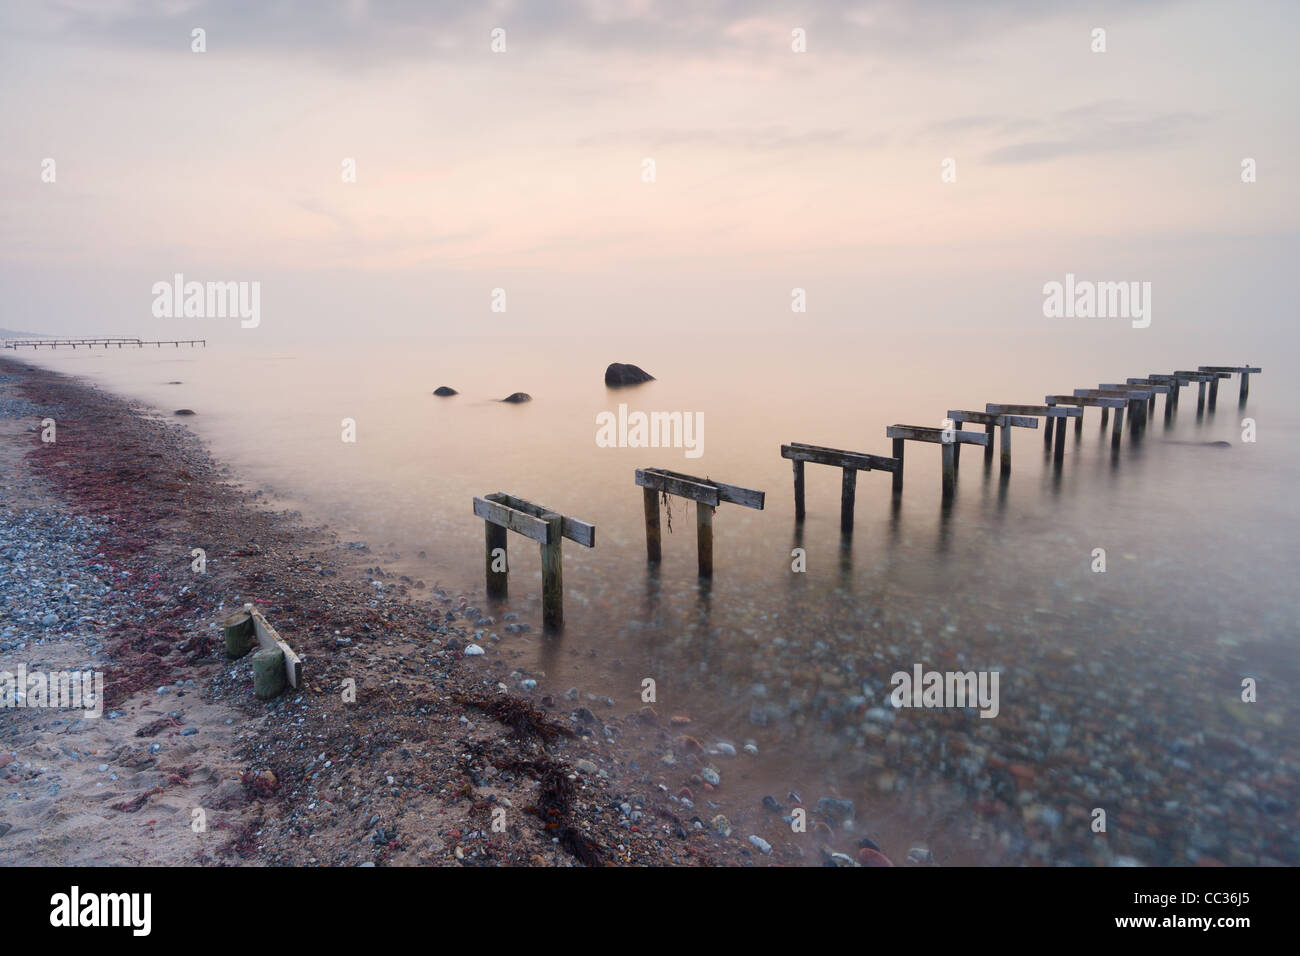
{"type": "Point", "coordinates": [1245, 387]}
{"type": "Point", "coordinates": [268, 672]}
{"type": "Point", "coordinates": [704, 537]}
{"type": "Point", "coordinates": [652, 540]}
{"type": "Point", "coordinates": [495, 537]}
{"type": "Point", "coordinates": [1214, 392]}
{"type": "Point", "coordinates": [1006, 449]}
{"type": "Point", "coordinates": [898, 472]}
{"type": "Point", "coordinates": [1105, 417]}
{"type": "Point", "coordinates": [1078, 425]}
{"type": "Point", "coordinates": [1117, 428]}
{"type": "Point", "coordinates": [1200, 396]}
{"type": "Point", "coordinates": [553, 573]}
{"type": "Point", "coordinates": [1047, 431]}
{"type": "Point", "coordinates": [798, 490]}
{"type": "Point", "coordinates": [988, 449]}
{"type": "Point", "coordinates": [847, 489]}
{"type": "Point", "coordinates": [240, 635]}
{"type": "Point", "coordinates": [949, 471]}
{"type": "Point", "coordinates": [1059, 453]}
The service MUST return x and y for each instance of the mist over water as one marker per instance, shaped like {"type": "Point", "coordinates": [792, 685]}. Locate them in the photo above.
{"type": "Point", "coordinates": [1114, 686]}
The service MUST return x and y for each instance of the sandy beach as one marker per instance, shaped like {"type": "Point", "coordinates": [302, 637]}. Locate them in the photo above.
{"type": "Point", "coordinates": [438, 761]}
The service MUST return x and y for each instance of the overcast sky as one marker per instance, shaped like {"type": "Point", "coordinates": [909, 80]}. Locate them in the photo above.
{"type": "Point", "coordinates": [524, 169]}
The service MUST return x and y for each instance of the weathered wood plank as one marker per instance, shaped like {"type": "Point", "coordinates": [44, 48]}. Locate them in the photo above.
{"type": "Point", "coordinates": [525, 524]}
{"type": "Point", "coordinates": [986, 418]}
{"type": "Point", "coordinates": [819, 455]}
{"type": "Point", "coordinates": [1042, 411]}
{"type": "Point", "coordinates": [1238, 369]}
{"type": "Point", "coordinates": [682, 487]}
{"type": "Point", "coordinates": [727, 493]}
{"type": "Point", "coordinates": [1092, 401]}
{"type": "Point", "coordinates": [553, 575]}
{"type": "Point", "coordinates": [581, 532]}
{"type": "Point", "coordinates": [935, 435]}
{"type": "Point", "coordinates": [650, 499]}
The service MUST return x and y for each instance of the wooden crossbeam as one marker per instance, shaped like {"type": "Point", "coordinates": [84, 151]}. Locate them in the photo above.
{"type": "Point", "coordinates": [269, 638]}
{"type": "Point", "coordinates": [1042, 411]}
{"type": "Point", "coordinates": [578, 531]}
{"type": "Point", "coordinates": [727, 494]}
{"type": "Point", "coordinates": [512, 519]}
{"type": "Point", "coordinates": [935, 435]}
{"type": "Point", "coordinates": [1235, 369]}
{"type": "Point", "coordinates": [681, 487]}
{"type": "Point", "coordinates": [1091, 401]}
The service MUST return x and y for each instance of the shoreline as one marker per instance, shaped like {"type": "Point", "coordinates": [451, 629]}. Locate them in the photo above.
{"type": "Point", "coordinates": [434, 752]}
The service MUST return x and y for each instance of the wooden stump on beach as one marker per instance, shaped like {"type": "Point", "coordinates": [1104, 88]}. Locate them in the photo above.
{"type": "Point", "coordinates": [268, 672]}
{"type": "Point", "coordinates": [240, 635]}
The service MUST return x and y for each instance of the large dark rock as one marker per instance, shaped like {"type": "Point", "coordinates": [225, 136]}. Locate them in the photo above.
{"type": "Point", "coordinates": [620, 374]}
{"type": "Point", "coordinates": [517, 398]}
{"type": "Point", "coordinates": [184, 411]}
{"type": "Point", "coordinates": [444, 391]}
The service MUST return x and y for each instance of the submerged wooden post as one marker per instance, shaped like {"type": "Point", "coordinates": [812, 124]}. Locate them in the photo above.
{"type": "Point", "coordinates": [653, 549]}
{"type": "Point", "coordinates": [1059, 452]}
{"type": "Point", "coordinates": [898, 472]}
{"type": "Point", "coordinates": [704, 539]}
{"type": "Point", "coordinates": [1047, 431]}
{"type": "Point", "coordinates": [1118, 428]}
{"type": "Point", "coordinates": [848, 487]}
{"type": "Point", "coordinates": [1245, 388]}
{"type": "Point", "coordinates": [553, 573]}
{"type": "Point", "coordinates": [988, 449]}
{"type": "Point", "coordinates": [798, 489]}
{"type": "Point", "coordinates": [1006, 449]}
{"type": "Point", "coordinates": [949, 469]}
{"type": "Point", "coordinates": [1214, 392]}
{"type": "Point", "coordinates": [1200, 397]}
{"type": "Point", "coordinates": [495, 538]}
{"type": "Point", "coordinates": [1105, 417]}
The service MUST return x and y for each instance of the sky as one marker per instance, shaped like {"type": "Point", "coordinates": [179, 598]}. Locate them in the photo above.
{"type": "Point", "coordinates": [524, 169]}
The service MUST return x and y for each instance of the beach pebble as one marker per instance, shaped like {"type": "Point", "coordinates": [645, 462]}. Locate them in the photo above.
{"type": "Point", "coordinates": [762, 845]}
{"type": "Point", "coordinates": [473, 650]}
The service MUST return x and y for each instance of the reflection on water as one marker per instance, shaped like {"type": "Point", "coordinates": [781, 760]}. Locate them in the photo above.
{"type": "Point", "coordinates": [1119, 691]}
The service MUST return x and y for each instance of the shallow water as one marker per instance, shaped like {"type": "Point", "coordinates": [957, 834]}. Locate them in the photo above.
{"type": "Point", "coordinates": [1118, 691]}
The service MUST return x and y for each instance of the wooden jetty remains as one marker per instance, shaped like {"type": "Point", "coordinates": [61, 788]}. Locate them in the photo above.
{"type": "Point", "coordinates": [990, 421]}
{"type": "Point", "coordinates": [35, 344]}
{"type": "Point", "coordinates": [275, 663]}
{"type": "Point", "coordinates": [1245, 371]}
{"type": "Point", "coordinates": [1134, 396]}
{"type": "Point", "coordinates": [1095, 401]}
{"type": "Point", "coordinates": [707, 495]}
{"type": "Point", "coordinates": [1049, 412]}
{"type": "Point", "coordinates": [851, 461]}
{"type": "Point", "coordinates": [501, 513]}
{"type": "Point", "coordinates": [1202, 379]}
{"type": "Point", "coordinates": [905, 433]}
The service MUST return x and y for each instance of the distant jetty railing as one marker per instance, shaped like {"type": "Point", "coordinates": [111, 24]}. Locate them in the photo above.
{"type": "Point", "coordinates": [91, 343]}
{"type": "Point", "coordinates": [503, 512]}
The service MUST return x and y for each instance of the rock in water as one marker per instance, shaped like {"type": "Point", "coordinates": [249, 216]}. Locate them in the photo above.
{"type": "Point", "coordinates": [518, 398]}
{"type": "Point", "coordinates": [185, 411]}
{"type": "Point", "coordinates": [445, 390]}
{"type": "Point", "coordinates": [620, 374]}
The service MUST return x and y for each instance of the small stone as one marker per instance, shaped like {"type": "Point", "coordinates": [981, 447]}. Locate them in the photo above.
{"type": "Point", "coordinates": [473, 650]}
{"type": "Point", "coordinates": [762, 845]}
